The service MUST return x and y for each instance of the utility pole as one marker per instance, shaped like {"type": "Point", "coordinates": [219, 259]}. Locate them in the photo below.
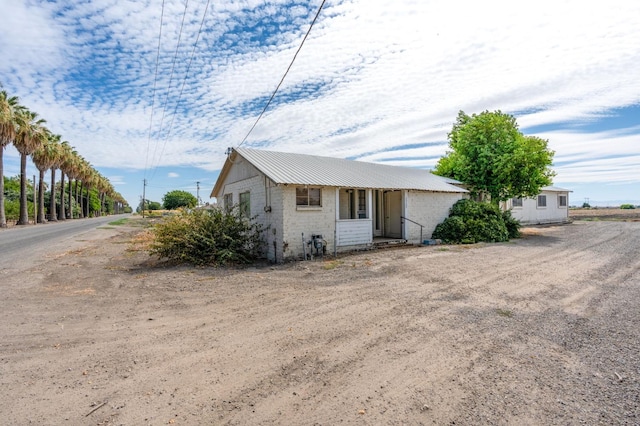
{"type": "Point", "coordinates": [144, 188]}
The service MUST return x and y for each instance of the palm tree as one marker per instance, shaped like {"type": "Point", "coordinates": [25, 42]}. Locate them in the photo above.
{"type": "Point", "coordinates": [91, 182]}
{"type": "Point", "coordinates": [45, 158]}
{"type": "Point", "coordinates": [8, 108]}
{"type": "Point", "coordinates": [84, 172]}
{"type": "Point", "coordinates": [68, 167]}
{"type": "Point", "coordinates": [55, 163]}
{"type": "Point", "coordinates": [104, 187]}
{"type": "Point", "coordinates": [30, 135]}
{"type": "Point", "coordinates": [81, 167]}
{"type": "Point", "coordinates": [65, 153]}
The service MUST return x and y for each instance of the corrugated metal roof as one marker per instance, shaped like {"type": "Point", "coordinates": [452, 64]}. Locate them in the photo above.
{"type": "Point", "coordinates": [552, 188]}
{"type": "Point", "coordinates": [302, 169]}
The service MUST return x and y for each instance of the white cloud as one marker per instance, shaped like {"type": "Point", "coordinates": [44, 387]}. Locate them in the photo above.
{"type": "Point", "coordinates": [173, 175]}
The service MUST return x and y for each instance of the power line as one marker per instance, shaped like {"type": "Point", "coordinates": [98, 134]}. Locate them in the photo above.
{"type": "Point", "coordinates": [285, 73]}
{"type": "Point", "coordinates": [155, 81]}
{"type": "Point", "coordinates": [184, 81]}
{"type": "Point", "coordinates": [173, 66]}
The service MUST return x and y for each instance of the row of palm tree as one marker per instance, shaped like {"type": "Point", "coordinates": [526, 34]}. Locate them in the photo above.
{"type": "Point", "coordinates": [27, 132]}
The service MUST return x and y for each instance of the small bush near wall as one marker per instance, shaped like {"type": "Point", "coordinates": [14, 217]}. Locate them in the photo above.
{"type": "Point", "coordinates": [472, 221]}
{"type": "Point", "coordinates": [208, 237]}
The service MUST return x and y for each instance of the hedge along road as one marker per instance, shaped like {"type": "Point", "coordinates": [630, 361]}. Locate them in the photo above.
{"type": "Point", "coordinates": [22, 245]}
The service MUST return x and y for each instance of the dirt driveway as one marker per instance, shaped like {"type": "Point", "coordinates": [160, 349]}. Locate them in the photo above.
{"type": "Point", "coordinates": [541, 330]}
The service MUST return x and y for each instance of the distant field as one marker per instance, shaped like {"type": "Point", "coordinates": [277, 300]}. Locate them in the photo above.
{"type": "Point", "coordinates": [605, 213]}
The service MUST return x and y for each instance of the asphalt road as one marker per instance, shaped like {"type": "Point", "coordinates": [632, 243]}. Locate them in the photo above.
{"type": "Point", "coordinates": [24, 244]}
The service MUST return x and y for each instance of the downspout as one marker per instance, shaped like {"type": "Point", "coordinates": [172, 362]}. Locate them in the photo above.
{"type": "Point", "coordinates": [267, 210]}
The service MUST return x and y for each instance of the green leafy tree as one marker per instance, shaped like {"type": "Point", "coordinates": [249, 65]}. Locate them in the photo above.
{"type": "Point", "coordinates": [149, 205]}
{"type": "Point", "coordinates": [175, 199]}
{"type": "Point", "coordinates": [12, 197]}
{"type": "Point", "coordinates": [12, 188]}
{"type": "Point", "coordinates": [154, 205]}
{"type": "Point", "coordinates": [493, 157]}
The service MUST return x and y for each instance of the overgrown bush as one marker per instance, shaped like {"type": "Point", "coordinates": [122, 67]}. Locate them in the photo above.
{"type": "Point", "coordinates": [472, 221]}
{"type": "Point", "coordinates": [512, 224]}
{"type": "Point", "coordinates": [627, 206]}
{"type": "Point", "coordinates": [208, 237]}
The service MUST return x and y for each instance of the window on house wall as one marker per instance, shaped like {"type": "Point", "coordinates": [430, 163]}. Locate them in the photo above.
{"type": "Point", "coordinates": [245, 204]}
{"type": "Point", "coordinates": [516, 202]}
{"type": "Point", "coordinates": [562, 201]}
{"type": "Point", "coordinates": [542, 201]}
{"type": "Point", "coordinates": [353, 203]}
{"type": "Point", "coordinates": [228, 201]}
{"type": "Point", "coordinates": [308, 196]}
{"type": "Point", "coordinates": [362, 204]}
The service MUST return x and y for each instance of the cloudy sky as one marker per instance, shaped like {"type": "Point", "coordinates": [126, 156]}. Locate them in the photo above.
{"type": "Point", "coordinates": [157, 90]}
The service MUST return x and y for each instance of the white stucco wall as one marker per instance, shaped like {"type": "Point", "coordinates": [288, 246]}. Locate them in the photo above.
{"type": "Point", "coordinates": [530, 213]}
{"type": "Point", "coordinates": [307, 220]}
{"type": "Point", "coordinates": [265, 203]}
{"type": "Point", "coordinates": [428, 209]}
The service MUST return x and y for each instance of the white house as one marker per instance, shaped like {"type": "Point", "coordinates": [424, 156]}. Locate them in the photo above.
{"type": "Point", "coordinates": [350, 204]}
{"type": "Point", "coordinates": [550, 206]}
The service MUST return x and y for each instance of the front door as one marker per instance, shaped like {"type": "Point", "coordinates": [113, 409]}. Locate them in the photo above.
{"type": "Point", "coordinates": [393, 214]}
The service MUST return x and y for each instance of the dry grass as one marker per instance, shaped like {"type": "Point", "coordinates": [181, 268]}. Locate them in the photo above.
{"type": "Point", "coordinates": [605, 213]}
{"type": "Point", "coordinates": [141, 241]}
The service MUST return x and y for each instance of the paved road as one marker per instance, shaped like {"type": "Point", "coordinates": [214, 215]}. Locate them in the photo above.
{"type": "Point", "coordinates": [22, 243]}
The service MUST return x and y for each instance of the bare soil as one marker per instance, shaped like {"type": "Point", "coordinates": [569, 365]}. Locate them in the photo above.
{"type": "Point", "coordinates": [541, 330]}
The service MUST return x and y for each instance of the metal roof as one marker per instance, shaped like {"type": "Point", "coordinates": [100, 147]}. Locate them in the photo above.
{"type": "Point", "coordinates": [554, 189]}
{"type": "Point", "coordinates": [302, 169]}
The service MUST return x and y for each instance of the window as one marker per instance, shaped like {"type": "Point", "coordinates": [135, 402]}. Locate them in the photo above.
{"type": "Point", "coordinates": [562, 201]}
{"type": "Point", "coordinates": [353, 203]}
{"type": "Point", "coordinates": [362, 204]}
{"type": "Point", "coordinates": [516, 202]}
{"type": "Point", "coordinates": [308, 197]}
{"type": "Point", "coordinates": [245, 204]}
{"type": "Point", "coordinates": [542, 201]}
{"type": "Point", "coordinates": [228, 201]}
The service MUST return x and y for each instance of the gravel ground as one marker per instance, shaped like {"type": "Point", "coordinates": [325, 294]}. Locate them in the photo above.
{"type": "Point", "coordinates": [541, 330]}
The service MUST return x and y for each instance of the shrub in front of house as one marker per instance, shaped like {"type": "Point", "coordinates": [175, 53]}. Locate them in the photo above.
{"type": "Point", "coordinates": [208, 237]}
{"type": "Point", "coordinates": [472, 222]}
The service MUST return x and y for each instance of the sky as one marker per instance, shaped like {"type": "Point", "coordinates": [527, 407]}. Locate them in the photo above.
{"type": "Point", "coordinates": [158, 90]}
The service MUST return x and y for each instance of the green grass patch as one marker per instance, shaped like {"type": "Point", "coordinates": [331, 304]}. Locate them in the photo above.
{"type": "Point", "coordinates": [331, 264]}
{"type": "Point", "coordinates": [504, 313]}
{"type": "Point", "coordinates": [119, 222]}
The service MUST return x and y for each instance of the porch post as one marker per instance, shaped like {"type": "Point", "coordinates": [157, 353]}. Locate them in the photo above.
{"type": "Point", "coordinates": [404, 197]}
